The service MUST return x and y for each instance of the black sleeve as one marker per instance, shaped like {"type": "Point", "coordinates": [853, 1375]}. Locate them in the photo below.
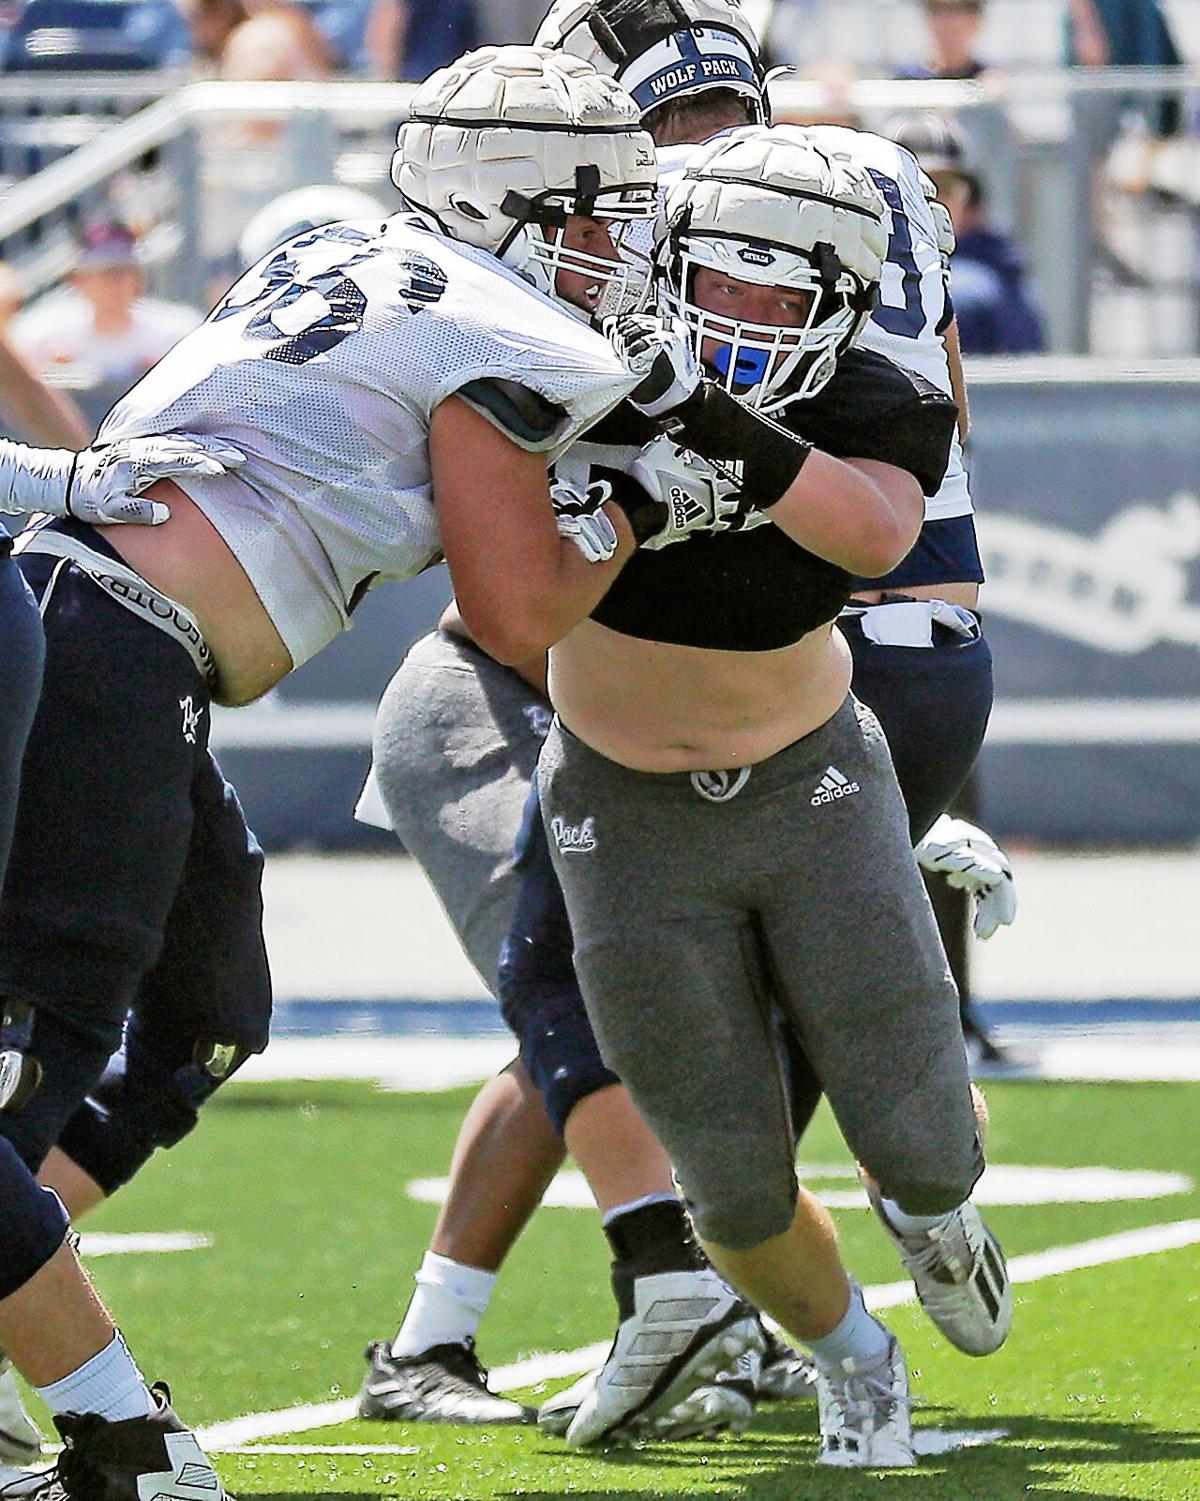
{"type": "Point", "coordinates": [624, 427]}
{"type": "Point", "coordinates": [874, 409]}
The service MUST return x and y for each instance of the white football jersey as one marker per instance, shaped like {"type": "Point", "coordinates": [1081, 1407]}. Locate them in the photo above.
{"type": "Point", "coordinates": [324, 364]}
{"type": "Point", "coordinates": [912, 289]}
{"type": "Point", "coordinates": [912, 292]}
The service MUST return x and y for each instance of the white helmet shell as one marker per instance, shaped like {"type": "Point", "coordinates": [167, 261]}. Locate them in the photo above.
{"type": "Point", "coordinates": [502, 145]}
{"type": "Point", "coordinates": [768, 206]}
{"type": "Point", "coordinates": [662, 50]}
{"type": "Point", "coordinates": [293, 212]}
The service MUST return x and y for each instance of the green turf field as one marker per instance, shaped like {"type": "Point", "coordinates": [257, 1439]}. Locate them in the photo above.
{"type": "Point", "coordinates": [302, 1190]}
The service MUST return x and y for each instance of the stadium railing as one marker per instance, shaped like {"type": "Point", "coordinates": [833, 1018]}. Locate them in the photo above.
{"type": "Point", "coordinates": [1107, 214]}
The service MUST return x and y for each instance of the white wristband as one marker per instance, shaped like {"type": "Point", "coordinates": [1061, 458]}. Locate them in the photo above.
{"type": "Point", "coordinates": [33, 479]}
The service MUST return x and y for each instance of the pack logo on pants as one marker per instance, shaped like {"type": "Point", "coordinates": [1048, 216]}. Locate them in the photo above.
{"type": "Point", "coordinates": [573, 838]}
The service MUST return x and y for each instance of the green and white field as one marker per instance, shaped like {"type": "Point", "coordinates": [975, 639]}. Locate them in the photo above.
{"type": "Point", "coordinates": [301, 1190]}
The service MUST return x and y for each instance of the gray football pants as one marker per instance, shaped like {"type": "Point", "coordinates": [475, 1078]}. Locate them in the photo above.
{"type": "Point", "coordinates": [456, 739]}
{"type": "Point", "coordinates": [798, 885]}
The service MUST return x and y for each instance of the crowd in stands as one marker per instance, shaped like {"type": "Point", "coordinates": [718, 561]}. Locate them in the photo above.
{"type": "Point", "coordinates": [104, 311]}
{"type": "Point", "coordinates": [408, 39]}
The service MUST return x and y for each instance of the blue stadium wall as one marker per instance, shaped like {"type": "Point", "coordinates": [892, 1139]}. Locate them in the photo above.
{"type": "Point", "coordinates": [1089, 494]}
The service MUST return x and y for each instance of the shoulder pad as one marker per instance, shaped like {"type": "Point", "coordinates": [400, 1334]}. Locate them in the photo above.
{"type": "Point", "coordinates": [515, 409]}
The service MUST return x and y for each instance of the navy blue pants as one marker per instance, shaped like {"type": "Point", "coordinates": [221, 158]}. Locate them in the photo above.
{"type": "Point", "coordinates": [32, 1221]}
{"type": "Point", "coordinates": [933, 704]}
{"type": "Point", "coordinates": [125, 812]}
{"type": "Point", "coordinates": [201, 1010]}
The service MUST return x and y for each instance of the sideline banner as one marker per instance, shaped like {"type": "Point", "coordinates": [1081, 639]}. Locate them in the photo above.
{"type": "Point", "coordinates": [1089, 499]}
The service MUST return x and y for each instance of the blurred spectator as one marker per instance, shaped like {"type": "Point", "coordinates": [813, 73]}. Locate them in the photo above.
{"type": "Point", "coordinates": [276, 43]}
{"type": "Point", "coordinates": [212, 22]}
{"type": "Point", "coordinates": [953, 28]}
{"type": "Point", "coordinates": [994, 312]}
{"type": "Point", "coordinates": [12, 295]}
{"type": "Point", "coordinates": [411, 38]}
{"type": "Point", "coordinates": [101, 325]}
{"type": "Point", "coordinates": [1126, 34]}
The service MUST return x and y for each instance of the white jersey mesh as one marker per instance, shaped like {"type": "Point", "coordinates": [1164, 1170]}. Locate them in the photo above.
{"type": "Point", "coordinates": [324, 365]}
{"type": "Point", "coordinates": [912, 293]}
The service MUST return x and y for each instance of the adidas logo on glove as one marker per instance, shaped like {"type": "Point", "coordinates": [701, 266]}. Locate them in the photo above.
{"type": "Point", "coordinates": [686, 509]}
{"type": "Point", "coordinates": [833, 786]}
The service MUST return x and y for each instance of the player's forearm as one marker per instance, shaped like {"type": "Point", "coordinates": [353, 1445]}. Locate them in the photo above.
{"type": "Point", "coordinates": [32, 479]}
{"type": "Point", "coordinates": [862, 515]}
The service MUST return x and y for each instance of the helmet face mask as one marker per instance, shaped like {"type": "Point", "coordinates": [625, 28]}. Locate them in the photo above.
{"type": "Point", "coordinates": [766, 209]}
{"type": "Point", "coordinates": [512, 149]}
{"type": "Point", "coordinates": [766, 365]}
{"type": "Point", "coordinates": [547, 246]}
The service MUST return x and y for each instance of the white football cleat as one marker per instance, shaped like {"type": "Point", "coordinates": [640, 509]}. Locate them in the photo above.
{"type": "Point", "coordinates": [866, 1413]}
{"type": "Point", "coordinates": [685, 1329]}
{"type": "Point", "coordinates": [556, 1413]}
{"type": "Point", "coordinates": [20, 1436]}
{"type": "Point", "coordinates": [960, 1276]}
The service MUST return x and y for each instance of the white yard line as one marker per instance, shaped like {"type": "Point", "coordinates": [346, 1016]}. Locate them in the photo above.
{"type": "Point", "coordinates": [103, 1243]}
{"type": "Point", "coordinates": [1124, 1246]}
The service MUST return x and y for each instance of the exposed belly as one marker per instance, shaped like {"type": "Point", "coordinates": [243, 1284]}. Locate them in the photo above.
{"type": "Point", "coordinates": [188, 560]}
{"type": "Point", "coordinates": [656, 707]}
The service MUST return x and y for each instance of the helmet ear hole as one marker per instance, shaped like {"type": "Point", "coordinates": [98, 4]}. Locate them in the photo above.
{"type": "Point", "coordinates": [468, 207]}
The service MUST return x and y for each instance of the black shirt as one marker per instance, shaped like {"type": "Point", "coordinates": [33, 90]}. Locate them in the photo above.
{"type": "Point", "coordinates": [757, 590]}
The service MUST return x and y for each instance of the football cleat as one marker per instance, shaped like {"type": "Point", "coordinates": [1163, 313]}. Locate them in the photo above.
{"type": "Point", "coordinates": [726, 1404]}
{"type": "Point", "coordinates": [866, 1414]}
{"type": "Point", "coordinates": [20, 1437]}
{"type": "Point", "coordinates": [444, 1384]}
{"type": "Point", "coordinates": [684, 1329]}
{"type": "Point", "coordinates": [786, 1374]}
{"type": "Point", "coordinates": [960, 1276]}
{"type": "Point", "coordinates": [152, 1458]}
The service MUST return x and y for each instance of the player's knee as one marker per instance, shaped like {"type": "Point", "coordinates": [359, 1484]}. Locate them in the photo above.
{"type": "Point", "coordinates": [740, 1218]}
{"type": "Point", "coordinates": [558, 1047]}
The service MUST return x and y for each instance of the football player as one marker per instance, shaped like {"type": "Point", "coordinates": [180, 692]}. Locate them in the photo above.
{"type": "Point", "coordinates": [694, 67]}
{"type": "Point", "coordinates": [52, 1325]}
{"type": "Point", "coordinates": [363, 375]}
{"type": "Point", "coordinates": [704, 710]}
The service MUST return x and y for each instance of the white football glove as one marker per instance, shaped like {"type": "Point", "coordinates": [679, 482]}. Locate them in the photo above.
{"type": "Point", "coordinates": [104, 481]}
{"type": "Point", "coordinates": [101, 484]}
{"type": "Point", "coordinates": [693, 496]}
{"type": "Point", "coordinates": [971, 860]}
{"type": "Point", "coordinates": [578, 515]}
{"type": "Point", "coordinates": [660, 350]}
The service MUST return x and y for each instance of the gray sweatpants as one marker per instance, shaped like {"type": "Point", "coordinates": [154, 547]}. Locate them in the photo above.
{"type": "Point", "coordinates": [456, 739]}
{"type": "Point", "coordinates": [694, 898]}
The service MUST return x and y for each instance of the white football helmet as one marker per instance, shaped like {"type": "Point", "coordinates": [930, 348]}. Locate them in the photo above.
{"type": "Point", "coordinates": [662, 50]}
{"type": "Point", "coordinates": [767, 206]}
{"type": "Point", "coordinates": [502, 146]}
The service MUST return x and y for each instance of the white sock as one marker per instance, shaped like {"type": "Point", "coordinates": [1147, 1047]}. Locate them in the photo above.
{"type": "Point", "coordinates": [447, 1306]}
{"type": "Point", "coordinates": [109, 1384]}
{"type": "Point", "coordinates": [859, 1337]}
{"type": "Point", "coordinates": [646, 1199]}
{"type": "Point", "coordinates": [912, 1224]}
